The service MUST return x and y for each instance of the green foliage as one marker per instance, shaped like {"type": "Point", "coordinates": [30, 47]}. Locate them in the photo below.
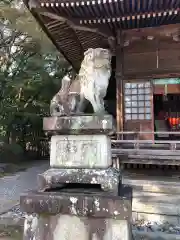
{"type": "Point", "coordinates": [30, 74]}
{"type": "Point", "coordinates": [11, 152]}
{"type": "Point", "coordinates": [18, 17]}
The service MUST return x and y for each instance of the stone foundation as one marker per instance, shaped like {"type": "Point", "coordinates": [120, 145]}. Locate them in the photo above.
{"type": "Point", "coordinates": [62, 227]}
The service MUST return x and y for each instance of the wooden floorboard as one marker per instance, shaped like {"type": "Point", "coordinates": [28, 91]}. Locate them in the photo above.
{"type": "Point", "coordinates": [155, 197]}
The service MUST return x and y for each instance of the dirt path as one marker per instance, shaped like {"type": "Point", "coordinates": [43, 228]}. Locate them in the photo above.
{"type": "Point", "coordinates": [12, 186]}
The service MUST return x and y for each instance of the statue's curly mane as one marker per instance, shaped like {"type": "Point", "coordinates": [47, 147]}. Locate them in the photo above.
{"type": "Point", "coordinates": [94, 76]}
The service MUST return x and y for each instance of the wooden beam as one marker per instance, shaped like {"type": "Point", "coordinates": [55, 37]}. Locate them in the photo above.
{"type": "Point", "coordinates": [74, 24]}
{"type": "Point", "coordinates": [162, 31]}
{"type": "Point", "coordinates": [124, 18]}
{"type": "Point", "coordinates": [72, 3]}
{"type": "Point", "coordinates": [151, 75]}
{"type": "Point", "coordinates": [119, 81]}
{"type": "Point", "coordinates": [87, 3]}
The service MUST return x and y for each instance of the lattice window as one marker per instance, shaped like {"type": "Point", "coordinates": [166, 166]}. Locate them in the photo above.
{"type": "Point", "coordinates": [137, 97]}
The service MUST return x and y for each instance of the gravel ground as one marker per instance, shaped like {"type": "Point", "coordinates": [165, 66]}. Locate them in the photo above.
{"type": "Point", "coordinates": [11, 233]}
{"type": "Point", "coordinates": [140, 227]}
{"type": "Point", "coordinates": [16, 212]}
{"type": "Point", "coordinates": [11, 187]}
{"type": "Point", "coordinates": [163, 227]}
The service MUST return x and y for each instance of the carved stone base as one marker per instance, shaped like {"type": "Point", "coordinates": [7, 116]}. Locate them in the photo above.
{"type": "Point", "coordinates": [65, 227]}
{"type": "Point", "coordinates": [80, 151]}
{"type": "Point", "coordinates": [82, 124]}
{"type": "Point", "coordinates": [84, 202]}
{"type": "Point", "coordinates": [109, 179]}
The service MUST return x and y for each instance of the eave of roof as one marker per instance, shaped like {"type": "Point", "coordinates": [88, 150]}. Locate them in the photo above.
{"type": "Point", "coordinates": [131, 13]}
{"type": "Point", "coordinates": [108, 15]}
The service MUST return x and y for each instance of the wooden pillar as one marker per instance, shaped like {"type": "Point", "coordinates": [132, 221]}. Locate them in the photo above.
{"type": "Point", "coordinates": [119, 81]}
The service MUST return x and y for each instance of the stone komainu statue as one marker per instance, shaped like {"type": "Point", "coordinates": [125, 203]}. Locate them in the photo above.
{"type": "Point", "coordinates": [89, 85]}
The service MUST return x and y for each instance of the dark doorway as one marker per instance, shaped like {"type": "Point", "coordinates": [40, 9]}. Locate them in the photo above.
{"type": "Point", "coordinates": [167, 115]}
{"type": "Point", "coordinates": [110, 99]}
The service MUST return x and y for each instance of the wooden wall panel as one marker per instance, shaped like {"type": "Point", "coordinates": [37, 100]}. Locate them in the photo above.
{"type": "Point", "coordinates": [140, 126]}
{"type": "Point", "coordinates": [171, 89]}
{"type": "Point", "coordinates": [151, 46]}
{"type": "Point", "coordinates": [147, 59]}
{"type": "Point", "coordinates": [169, 59]}
{"type": "Point", "coordinates": [139, 62]}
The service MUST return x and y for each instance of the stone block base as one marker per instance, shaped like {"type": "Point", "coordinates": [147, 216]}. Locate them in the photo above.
{"type": "Point", "coordinates": [109, 179]}
{"type": "Point", "coordinates": [80, 151]}
{"type": "Point", "coordinates": [82, 124]}
{"type": "Point", "coordinates": [77, 214]}
{"type": "Point", "coordinates": [80, 202]}
{"type": "Point", "coordinates": [65, 227]}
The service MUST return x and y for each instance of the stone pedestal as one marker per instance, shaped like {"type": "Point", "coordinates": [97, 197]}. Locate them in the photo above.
{"type": "Point", "coordinates": [80, 151]}
{"type": "Point", "coordinates": [81, 195]}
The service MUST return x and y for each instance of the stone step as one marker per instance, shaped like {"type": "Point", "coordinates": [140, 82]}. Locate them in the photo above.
{"type": "Point", "coordinates": [155, 198]}
{"type": "Point", "coordinates": [156, 207]}
{"type": "Point", "coordinates": [155, 181]}
{"type": "Point", "coordinates": [157, 203]}
{"type": "Point", "coordinates": [158, 218]}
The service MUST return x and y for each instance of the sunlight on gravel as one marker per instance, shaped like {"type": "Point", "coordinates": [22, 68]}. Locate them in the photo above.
{"type": "Point", "coordinates": [11, 233]}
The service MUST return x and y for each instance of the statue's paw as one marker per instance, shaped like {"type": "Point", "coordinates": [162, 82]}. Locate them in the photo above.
{"type": "Point", "coordinates": [78, 113]}
{"type": "Point", "coordinates": [105, 112]}
{"type": "Point", "coordinates": [100, 112]}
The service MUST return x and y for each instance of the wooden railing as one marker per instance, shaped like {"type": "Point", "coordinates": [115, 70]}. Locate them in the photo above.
{"type": "Point", "coordinates": [137, 142]}
{"type": "Point", "coordinates": [38, 150]}
{"type": "Point", "coordinates": [135, 150]}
